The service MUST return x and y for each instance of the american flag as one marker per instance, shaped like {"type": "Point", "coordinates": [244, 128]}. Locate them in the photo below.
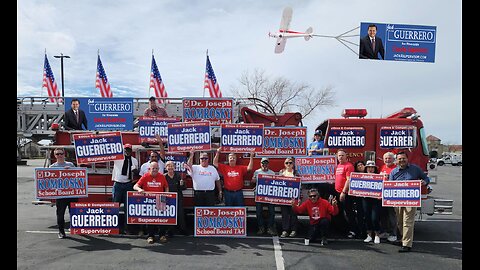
{"type": "Point", "coordinates": [160, 202]}
{"type": "Point", "coordinates": [156, 82]}
{"type": "Point", "coordinates": [49, 81]}
{"type": "Point", "coordinates": [211, 81]}
{"type": "Point", "coordinates": [101, 81]}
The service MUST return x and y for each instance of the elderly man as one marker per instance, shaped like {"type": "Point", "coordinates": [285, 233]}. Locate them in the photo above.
{"type": "Point", "coordinates": [259, 206]}
{"type": "Point", "coordinates": [153, 110]}
{"type": "Point", "coordinates": [204, 177]}
{"type": "Point", "coordinates": [406, 215]}
{"type": "Point", "coordinates": [233, 176]}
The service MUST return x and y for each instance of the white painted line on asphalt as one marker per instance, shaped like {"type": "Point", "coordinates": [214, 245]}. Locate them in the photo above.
{"type": "Point", "coordinates": [439, 220]}
{"type": "Point", "coordinates": [278, 253]}
{"type": "Point", "coordinates": [41, 231]}
{"type": "Point", "coordinates": [438, 242]}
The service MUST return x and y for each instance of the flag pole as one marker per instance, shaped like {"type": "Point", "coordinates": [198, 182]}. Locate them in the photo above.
{"type": "Point", "coordinates": [204, 76]}
{"type": "Point", "coordinates": [149, 81]}
{"type": "Point", "coordinates": [43, 70]}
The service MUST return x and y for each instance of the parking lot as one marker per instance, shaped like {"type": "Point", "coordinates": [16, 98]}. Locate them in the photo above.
{"type": "Point", "coordinates": [437, 242]}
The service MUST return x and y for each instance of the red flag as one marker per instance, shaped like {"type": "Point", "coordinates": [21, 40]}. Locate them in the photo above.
{"type": "Point", "coordinates": [156, 82]}
{"type": "Point", "coordinates": [211, 81]}
{"type": "Point", "coordinates": [49, 81]}
{"type": "Point", "coordinates": [101, 81]}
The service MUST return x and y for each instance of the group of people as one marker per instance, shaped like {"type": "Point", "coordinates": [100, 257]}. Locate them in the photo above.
{"type": "Point", "coordinates": [356, 216]}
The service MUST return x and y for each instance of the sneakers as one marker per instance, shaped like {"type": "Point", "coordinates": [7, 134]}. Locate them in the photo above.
{"type": "Point", "coordinates": [284, 234]}
{"type": "Point", "coordinates": [392, 238]}
{"type": "Point", "coordinates": [163, 239]}
{"type": "Point", "coordinates": [293, 234]}
{"type": "Point", "coordinates": [324, 242]}
{"type": "Point", "coordinates": [271, 231]}
{"type": "Point", "coordinates": [150, 240]}
{"type": "Point", "coordinates": [368, 239]}
{"type": "Point", "coordinates": [61, 234]}
{"type": "Point", "coordinates": [351, 235]}
{"type": "Point", "coordinates": [261, 231]}
{"type": "Point", "coordinates": [377, 239]}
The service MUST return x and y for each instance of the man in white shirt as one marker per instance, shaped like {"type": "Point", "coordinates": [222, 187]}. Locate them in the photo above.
{"type": "Point", "coordinates": [155, 156]}
{"type": "Point", "coordinates": [204, 177]}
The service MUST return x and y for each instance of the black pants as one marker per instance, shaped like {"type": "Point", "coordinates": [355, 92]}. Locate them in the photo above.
{"type": "Point", "coordinates": [319, 229]}
{"type": "Point", "coordinates": [62, 205]}
{"type": "Point", "coordinates": [204, 198]}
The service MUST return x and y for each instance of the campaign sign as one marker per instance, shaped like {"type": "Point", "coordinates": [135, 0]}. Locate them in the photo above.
{"type": "Point", "coordinates": [241, 138]}
{"type": "Point", "coordinates": [158, 208]}
{"type": "Point", "coordinates": [106, 113]}
{"type": "Point", "coordinates": [284, 141]}
{"type": "Point", "coordinates": [178, 160]}
{"type": "Point", "coordinates": [221, 221]}
{"type": "Point", "coordinates": [94, 217]}
{"type": "Point", "coordinates": [215, 110]}
{"type": "Point", "coordinates": [398, 137]}
{"type": "Point", "coordinates": [102, 147]}
{"type": "Point", "coordinates": [402, 193]}
{"type": "Point", "coordinates": [184, 137]}
{"type": "Point", "coordinates": [345, 137]}
{"type": "Point", "coordinates": [148, 127]}
{"type": "Point", "coordinates": [366, 185]}
{"type": "Point", "coordinates": [57, 183]}
{"type": "Point", "coordinates": [277, 189]}
{"type": "Point", "coordinates": [318, 169]}
{"type": "Point", "coordinates": [402, 42]}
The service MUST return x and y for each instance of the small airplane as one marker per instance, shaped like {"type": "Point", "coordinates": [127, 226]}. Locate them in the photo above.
{"type": "Point", "coordinates": [285, 33]}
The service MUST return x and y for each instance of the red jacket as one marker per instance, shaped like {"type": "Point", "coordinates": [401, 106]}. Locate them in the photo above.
{"type": "Point", "coordinates": [322, 208]}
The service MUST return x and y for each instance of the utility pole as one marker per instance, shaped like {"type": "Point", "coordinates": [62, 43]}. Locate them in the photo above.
{"type": "Point", "coordinates": [61, 56]}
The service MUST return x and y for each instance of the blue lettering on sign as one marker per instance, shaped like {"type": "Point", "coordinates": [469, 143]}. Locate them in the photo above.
{"type": "Point", "coordinates": [208, 113]}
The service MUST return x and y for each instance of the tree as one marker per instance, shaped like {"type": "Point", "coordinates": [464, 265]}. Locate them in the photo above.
{"type": "Point", "coordinates": [278, 95]}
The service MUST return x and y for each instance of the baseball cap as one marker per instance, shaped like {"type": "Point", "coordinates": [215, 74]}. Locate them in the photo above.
{"type": "Point", "coordinates": [318, 132]}
{"type": "Point", "coordinates": [370, 163]}
{"type": "Point", "coordinates": [127, 145]}
{"type": "Point", "coordinates": [264, 159]}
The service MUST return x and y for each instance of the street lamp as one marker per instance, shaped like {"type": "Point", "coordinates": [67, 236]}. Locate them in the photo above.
{"type": "Point", "coordinates": [61, 56]}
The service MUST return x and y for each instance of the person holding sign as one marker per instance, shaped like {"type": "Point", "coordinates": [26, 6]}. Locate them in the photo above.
{"type": "Point", "coordinates": [176, 184]}
{"type": "Point", "coordinates": [153, 181]}
{"type": "Point", "coordinates": [342, 178]}
{"type": "Point", "coordinates": [289, 218]}
{"type": "Point", "coordinates": [259, 206]}
{"type": "Point", "coordinates": [233, 176]}
{"type": "Point", "coordinates": [316, 147]}
{"type": "Point", "coordinates": [371, 208]}
{"type": "Point", "coordinates": [388, 218]}
{"type": "Point", "coordinates": [204, 179]}
{"type": "Point", "coordinates": [155, 156]}
{"type": "Point", "coordinates": [318, 210]}
{"type": "Point", "coordinates": [406, 215]}
{"type": "Point", "coordinates": [62, 203]}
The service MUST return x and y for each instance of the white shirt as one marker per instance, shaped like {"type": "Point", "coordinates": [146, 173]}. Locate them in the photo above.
{"type": "Point", "coordinates": [146, 165]}
{"type": "Point", "coordinates": [204, 178]}
{"type": "Point", "coordinates": [117, 170]}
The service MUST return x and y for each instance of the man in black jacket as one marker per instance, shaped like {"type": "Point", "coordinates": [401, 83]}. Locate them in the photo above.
{"type": "Point", "coordinates": [371, 45]}
{"type": "Point", "coordinates": [75, 118]}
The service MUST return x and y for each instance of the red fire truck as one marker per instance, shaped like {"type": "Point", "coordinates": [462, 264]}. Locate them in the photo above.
{"type": "Point", "coordinates": [362, 138]}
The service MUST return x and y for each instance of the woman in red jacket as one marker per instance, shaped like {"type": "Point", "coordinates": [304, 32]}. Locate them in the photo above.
{"type": "Point", "coordinates": [318, 210]}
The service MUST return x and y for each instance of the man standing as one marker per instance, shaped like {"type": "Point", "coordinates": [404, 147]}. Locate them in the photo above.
{"type": "Point", "coordinates": [388, 218]}
{"type": "Point", "coordinates": [371, 45]}
{"type": "Point", "coordinates": [406, 215]}
{"type": "Point", "coordinates": [155, 157]}
{"type": "Point", "coordinates": [259, 206]}
{"type": "Point", "coordinates": [153, 110]}
{"type": "Point", "coordinates": [204, 179]}
{"type": "Point", "coordinates": [75, 118]}
{"type": "Point", "coordinates": [342, 176]}
{"type": "Point", "coordinates": [62, 203]}
{"type": "Point", "coordinates": [122, 176]}
{"type": "Point", "coordinates": [233, 176]}
{"type": "Point", "coordinates": [316, 147]}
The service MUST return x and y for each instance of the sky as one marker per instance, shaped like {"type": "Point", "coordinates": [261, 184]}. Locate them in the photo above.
{"type": "Point", "coordinates": [235, 32]}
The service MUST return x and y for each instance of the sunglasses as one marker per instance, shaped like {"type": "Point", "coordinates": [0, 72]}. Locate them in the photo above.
{"type": "Point", "coordinates": [204, 158]}
{"type": "Point", "coordinates": [288, 162]}
{"type": "Point", "coordinates": [265, 162]}
{"type": "Point", "coordinates": [312, 196]}
{"type": "Point", "coordinates": [58, 154]}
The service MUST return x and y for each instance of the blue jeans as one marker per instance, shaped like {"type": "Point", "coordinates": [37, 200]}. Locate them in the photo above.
{"type": "Point", "coordinates": [271, 215]}
{"type": "Point", "coordinates": [234, 198]}
{"type": "Point", "coordinates": [120, 196]}
{"type": "Point", "coordinates": [372, 207]}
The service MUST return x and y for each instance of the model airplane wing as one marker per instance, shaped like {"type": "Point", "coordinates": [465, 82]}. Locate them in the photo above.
{"type": "Point", "coordinates": [280, 44]}
{"type": "Point", "coordinates": [286, 19]}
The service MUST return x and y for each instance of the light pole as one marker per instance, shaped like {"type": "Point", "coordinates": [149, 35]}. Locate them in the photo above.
{"type": "Point", "coordinates": [61, 56]}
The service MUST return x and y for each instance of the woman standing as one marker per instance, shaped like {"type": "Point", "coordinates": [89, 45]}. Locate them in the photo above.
{"type": "Point", "coordinates": [176, 184]}
{"type": "Point", "coordinates": [289, 218]}
{"type": "Point", "coordinates": [371, 207]}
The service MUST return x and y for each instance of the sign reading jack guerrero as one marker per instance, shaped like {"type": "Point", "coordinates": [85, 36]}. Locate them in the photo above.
{"type": "Point", "coordinates": [242, 138]}
{"type": "Point", "coordinates": [397, 42]}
